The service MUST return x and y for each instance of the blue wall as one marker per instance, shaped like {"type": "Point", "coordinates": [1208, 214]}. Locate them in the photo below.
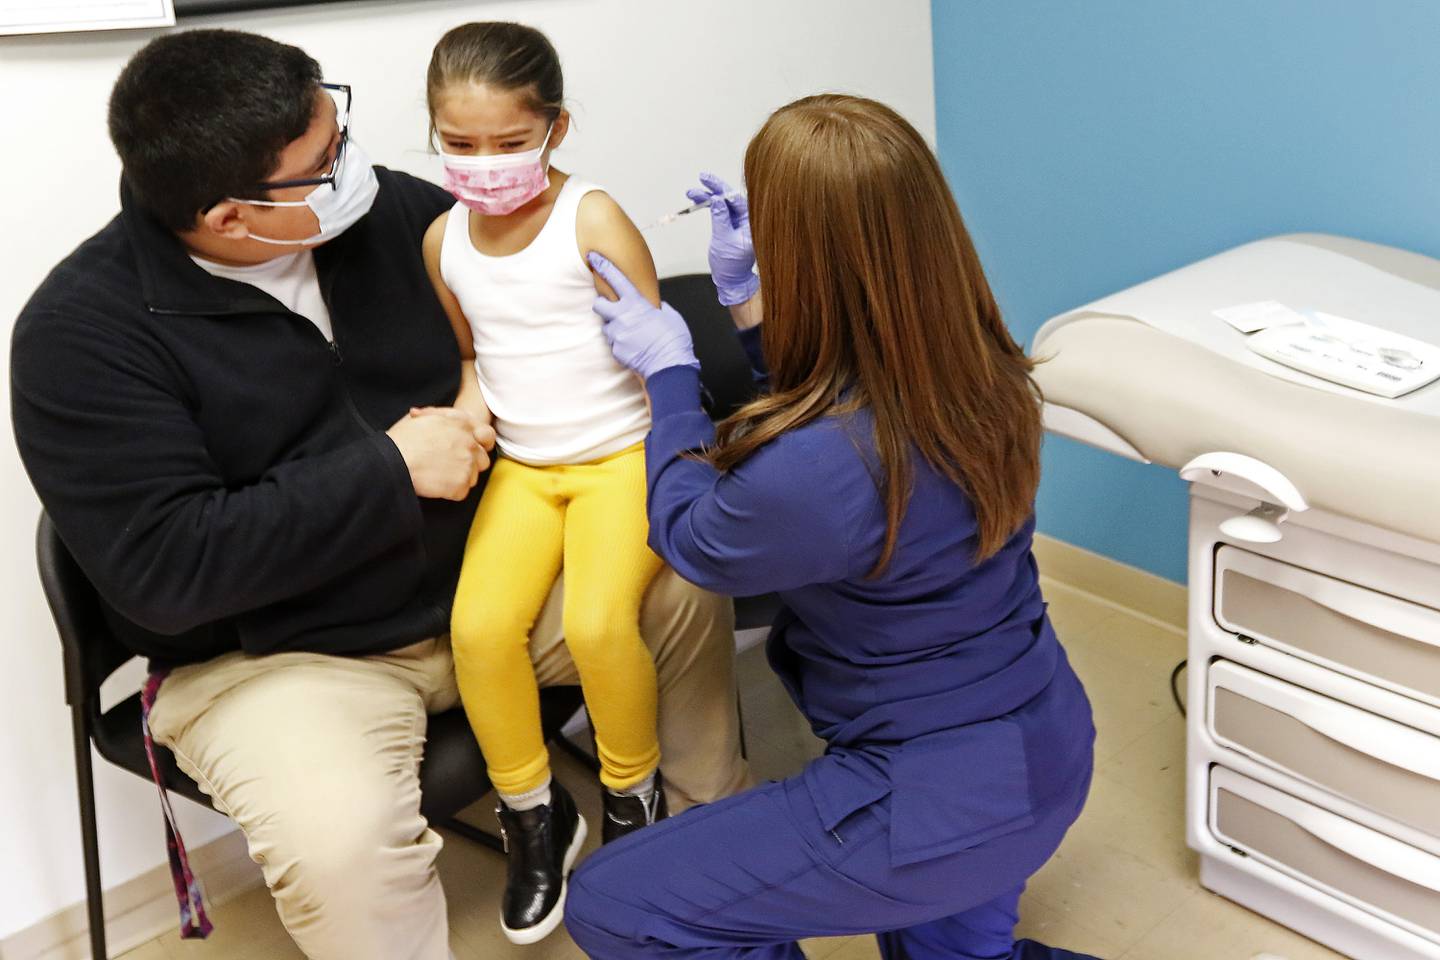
{"type": "Point", "coordinates": [1095, 144]}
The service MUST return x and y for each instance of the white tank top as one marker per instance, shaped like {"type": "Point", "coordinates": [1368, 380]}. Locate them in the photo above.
{"type": "Point", "coordinates": [557, 392]}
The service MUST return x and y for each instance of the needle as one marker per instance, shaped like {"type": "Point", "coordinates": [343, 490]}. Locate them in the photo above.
{"type": "Point", "coordinates": [670, 218]}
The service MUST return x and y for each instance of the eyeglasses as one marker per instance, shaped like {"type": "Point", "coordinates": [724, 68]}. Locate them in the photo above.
{"type": "Point", "coordinates": [340, 93]}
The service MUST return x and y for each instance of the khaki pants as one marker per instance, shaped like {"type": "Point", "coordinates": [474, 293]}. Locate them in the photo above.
{"type": "Point", "coordinates": [317, 757]}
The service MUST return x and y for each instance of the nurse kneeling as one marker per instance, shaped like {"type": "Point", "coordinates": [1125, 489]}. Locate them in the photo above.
{"type": "Point", "coordinates": [884, 487]}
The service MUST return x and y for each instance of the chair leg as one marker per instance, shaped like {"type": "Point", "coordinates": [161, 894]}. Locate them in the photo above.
{"type": "Point", "coordinates": [740, 715]}
{"type": "Point", "coordinates": [474, 834]}
{"type": "Point", "coordinates": [587, 760]}
{"type": "Point", "coordinates": [89, 837]}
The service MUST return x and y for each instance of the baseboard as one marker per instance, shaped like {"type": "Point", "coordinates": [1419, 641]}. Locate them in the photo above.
{"type": "Point", "coordinates": [1136, 591]}
{"type": "Point", "coordinates": [138, 910]}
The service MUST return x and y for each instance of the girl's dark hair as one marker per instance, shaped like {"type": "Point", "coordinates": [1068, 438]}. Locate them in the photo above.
{"type": "Point", "coordinates": [204, 114]}
{"type": "Point", "coordinates": [507, 56]}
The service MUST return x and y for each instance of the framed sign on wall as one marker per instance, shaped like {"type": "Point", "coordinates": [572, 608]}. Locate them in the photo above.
{"type": "Point", "coordinates": [63, 16]}
{"type": "Point", "coordinates": [193, 8]}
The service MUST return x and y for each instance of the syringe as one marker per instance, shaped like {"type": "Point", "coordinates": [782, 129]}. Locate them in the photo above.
{"type": "Point", "coordinates": [670, 218]}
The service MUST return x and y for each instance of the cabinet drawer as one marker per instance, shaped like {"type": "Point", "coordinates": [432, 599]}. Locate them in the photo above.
{"type": "Point", "coordinates": [1377, 763]}
{"type": "Point", "coordinates": [1379, 638]}
{"type": "Point", "coordinates": [1376, 873]}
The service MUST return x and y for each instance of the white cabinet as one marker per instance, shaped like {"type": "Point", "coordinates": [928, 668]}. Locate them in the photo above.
{"type": "Point", "coordinates": [1314, 578]}
{"type": "Point", "coordinates": [1313, 739]}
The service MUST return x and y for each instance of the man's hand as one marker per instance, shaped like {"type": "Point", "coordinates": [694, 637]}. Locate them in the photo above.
{"type": "Point", "coordinates": [444, 453]}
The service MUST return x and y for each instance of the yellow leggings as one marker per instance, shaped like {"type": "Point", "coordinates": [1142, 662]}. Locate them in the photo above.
{"type": "Point", "coordinates": [590, 517]}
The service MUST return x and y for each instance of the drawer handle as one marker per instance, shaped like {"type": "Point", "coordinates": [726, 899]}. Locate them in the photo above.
{"type": "Point", "coordinates": [1410, 622]}
{"type": "Point", "coordinates": [1367, 846]}
{"type": "Point", "coordinates": [1376, 738]}
{"type": "Point", "coordinates": [1375, 609]}
{"type": "Point", "coordinates": [1386, 740]}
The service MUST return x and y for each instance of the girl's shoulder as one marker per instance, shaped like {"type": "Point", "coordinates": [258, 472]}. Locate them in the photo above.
{"type": "Point", "coordinates": [434, 239]}
{"type": "Point", "coordinates": [433, 242]}
{"type": "Point", "coordinates": [597, 214]}
{"type": "Point", "coordinates": [435, 233]}
{"type": "Point", "coordinates": [602, 226]}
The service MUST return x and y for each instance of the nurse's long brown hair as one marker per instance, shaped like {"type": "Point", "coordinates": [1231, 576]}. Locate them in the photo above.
{"type": "Point", "coordinates": [870, 284]}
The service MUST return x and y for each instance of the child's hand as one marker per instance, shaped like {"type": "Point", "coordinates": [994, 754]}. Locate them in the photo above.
{"type": "Point", "coordinates": [441, 453]}
{"type": "Point", "coordinates": [482, 430]}
{"type": "Point", "coordinates": [732, 253]}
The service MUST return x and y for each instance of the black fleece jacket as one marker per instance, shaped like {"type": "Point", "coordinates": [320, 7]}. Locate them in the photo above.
{"type": "Point", "coordinates": [220, 471]}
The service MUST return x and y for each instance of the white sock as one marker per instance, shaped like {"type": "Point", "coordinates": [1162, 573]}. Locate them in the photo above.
{"type": "Point", "coordinates": [642, 789]}
{"type": "Point", "coordinates": [528, 800]}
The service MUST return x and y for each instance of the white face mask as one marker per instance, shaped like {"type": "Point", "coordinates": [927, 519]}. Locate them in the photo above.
{"type": "Point", "coordinates": [337, 208]}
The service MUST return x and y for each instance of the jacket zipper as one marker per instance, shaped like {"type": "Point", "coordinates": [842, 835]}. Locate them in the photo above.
{"type": "Point", "coordinates": [337, 357]}
{"type": "Point", "coordinates": [337, 360]}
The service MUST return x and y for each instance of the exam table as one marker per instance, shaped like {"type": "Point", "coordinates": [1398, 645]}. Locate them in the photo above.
{"type": "Point", "coordinates": [1313, 731]}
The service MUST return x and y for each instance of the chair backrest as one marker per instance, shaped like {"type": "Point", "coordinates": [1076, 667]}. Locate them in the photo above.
{"type": "Point", "coordinates": [91, 650]}
{"type": "Point", "coordinates": [724, 367]}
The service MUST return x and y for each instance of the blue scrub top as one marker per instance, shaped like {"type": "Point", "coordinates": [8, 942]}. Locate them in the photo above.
{"type": "Point", "coordinates": [939, 686]}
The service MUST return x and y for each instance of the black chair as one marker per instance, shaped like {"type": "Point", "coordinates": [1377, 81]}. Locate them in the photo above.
{"type": "Point", "coordinates": [724, 367]}
{"type": "Point", "coordinates": [452, 775]}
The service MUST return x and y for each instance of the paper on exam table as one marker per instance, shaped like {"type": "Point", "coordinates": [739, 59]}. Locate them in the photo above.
{"type": "Point", "coordinates": [1261, 315]}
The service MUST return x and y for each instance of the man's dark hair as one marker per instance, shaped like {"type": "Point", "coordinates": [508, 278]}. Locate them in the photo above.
{"type": "Point", "coordinates": [204, 114]}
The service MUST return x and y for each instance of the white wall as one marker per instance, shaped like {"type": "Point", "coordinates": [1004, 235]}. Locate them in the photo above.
{"type": "Point", "coordinates": [660, 90]}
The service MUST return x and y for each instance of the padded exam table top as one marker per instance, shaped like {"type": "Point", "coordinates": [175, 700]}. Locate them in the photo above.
{"type": "Point", "coordinates": [1153, 367]}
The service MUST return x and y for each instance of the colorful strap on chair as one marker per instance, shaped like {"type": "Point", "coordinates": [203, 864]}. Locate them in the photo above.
{"type": "Point", "coordinates": [187, 888]}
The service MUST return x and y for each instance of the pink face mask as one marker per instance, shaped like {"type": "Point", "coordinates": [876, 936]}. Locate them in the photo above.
{"type": "Point", "coordinates": [500, 183]}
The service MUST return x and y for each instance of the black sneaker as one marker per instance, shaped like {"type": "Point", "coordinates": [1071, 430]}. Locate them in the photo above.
{"type": "Point", "coordinates": [625, 814]}
{"type": "Point", "coordinates": [541, 846]}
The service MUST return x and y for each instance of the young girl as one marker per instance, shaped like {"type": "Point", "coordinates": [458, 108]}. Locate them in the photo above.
{"type": "Point", "coordinates": [569, 487]}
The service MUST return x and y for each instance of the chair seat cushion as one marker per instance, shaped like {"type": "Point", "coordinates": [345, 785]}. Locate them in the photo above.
{"type": "Point", "coordinates": [452, 775]}
{"type": "Point", "coordinates": [752, 612]}
{"type": "Point", "coordinates": [118, 739]}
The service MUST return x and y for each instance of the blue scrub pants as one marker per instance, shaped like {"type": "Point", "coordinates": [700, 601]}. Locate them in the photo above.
{"type": "Point", "coordinates": [746, 877]}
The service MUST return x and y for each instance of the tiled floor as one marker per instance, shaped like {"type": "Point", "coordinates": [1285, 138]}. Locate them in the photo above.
{"type": "Point", "coordinates": [1122, 887]}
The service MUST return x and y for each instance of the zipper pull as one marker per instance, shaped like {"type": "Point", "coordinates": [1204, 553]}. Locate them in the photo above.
{"type": "Point", "coordinates": [335, 356]}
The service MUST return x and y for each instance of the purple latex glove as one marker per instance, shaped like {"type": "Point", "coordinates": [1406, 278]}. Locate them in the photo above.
{"type": "Point", "coordinates": [643, 337]}
{"type": "Point", "coordinates": [732, 254]}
